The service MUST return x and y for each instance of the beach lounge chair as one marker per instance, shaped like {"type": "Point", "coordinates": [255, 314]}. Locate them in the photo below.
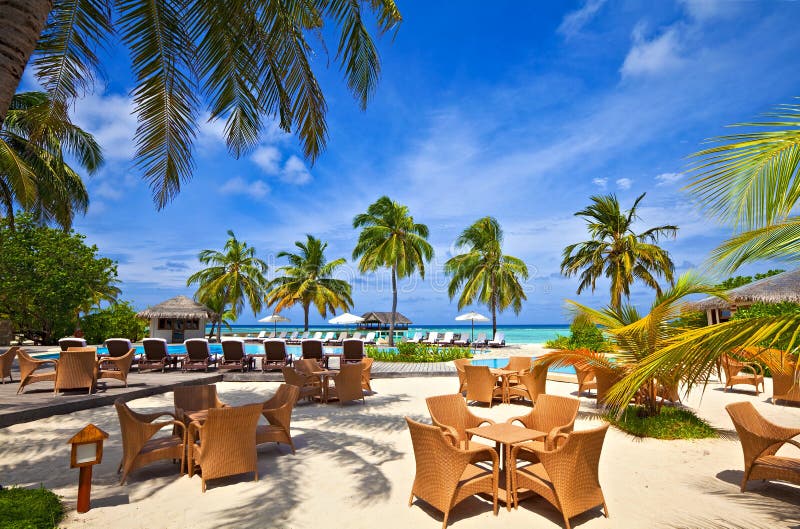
{"type": "Point", "coordinates": [317, 336]}
{"type": "Point", "coordinates": [347, 384]}
{"type": "Point", "coordinates": [339, 339]}
{"type": "Point", "coordinates": [356, 336]}
{"type": "Point", "coordinates": [447, 475]}
{"type": "Point", "coordinates": [459, 363]}
{"type": "Point", "coordinates": [139, 448]}
{"type": "Point", "coordinates": [260, 337]}
{"type": "Point", "coordinates": [155, 355]}
{"type": "Point", "coordinates": [482, 385]}
{"type": "Point", "coordinates": [117, 367]}
{"type": "Point", "coordinates": [566, 476]}
{"type": "Point", "coordinates": [552, 414]}
{"type": "Point", "coordinates": [738, 372]}
{"type": "Point", "coordinates": [278, 413]}
{"type": "Point", "coordinates": [275, 355]}
{"type": "Point", "coordinates": [71, 341]}
{"type": "Point", "coordinates": [499, 340]}
{"type": "Point", "coordinates": [305, 336]}
{"type": "Point", "coordinates": [761, 439]}
{"type": "Point", "coordinates": [416, 338]}
{"type": "Point", "coordinates": [282, 335]}
{"type": "Point", "coordinates": [352, 351]}
{"type": "Point", "coordinates": [463, 340]}
{"type": "Point", "coordinates": [234, 355]}
{"type": "Point", "coordinates": [118, 346]}
{"type": "Point", "coordinates": [446, 340]}
{"type": "Point", "coordinates": [309, 385]}
{"type": "Point", "coordinates": [199, 397]}
{"type": "Point", "coordinates": [451, 414]}
{"type": "Point", "coordinates": [28, 367]}
{"type": "Point", "coordinates": [312, 349]}
{"type": "Point", "coordinates": [370, 338]}
{"type": "Point", "coordinates": [366, 374]}
{"type": "Point", "coordinates": [530, 384]}
{"type": "Point", "coordinates": [77, 369]}
{"type": "Point", "coordinates": [328, 338]}
{"type": "Point", "coordinates": [198, 355]}
{"type": "Point", "coordinates": [293, 338]}
{"type": "Point", "coordinates": [481, 340]}
{"type": "Point", "coordinates": [433, 337]}
{"type": "Point", "coordinates": [227, 443]}
{"type": "Point", "coordinates": [6, 359]}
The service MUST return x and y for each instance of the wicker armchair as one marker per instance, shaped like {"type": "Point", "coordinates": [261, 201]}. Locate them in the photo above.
{"type": "Point", "coordinates": [118, 367]}
{"type": "Point", "coordinates": [451, 414]}
{"type": "Point", "coordinates": [275, 355]}
{"type": "Point", "coordinates": [785, 374]}
{"type": "Point", "coordinates": [552, 414]}
{"type": "Point", "coordinates": [760, 440]}
{"type": "Point", "coordinates": [735, 373]}
{"type": "Point", "coordinates": [566, 476]}
{"type": "Point", "coordinates": [462, 376]}
{"type": "Point", "coordinates": [347, 384]}
{"type": "Point", "coordinates": [193, 398]}
{"type": "Point", "coordinates": [308, 366]}
{"type": "Point", "coordinates": [28, 367]}
{"type": "Point", "coordinates": [6, 359]}
{"type": "Point", "coordinates": [234, 355]}
{"type": "Point", "coordinates": [352, 351]}
{"type": "Point", "coordinates": [155, 355]}
{"type": "Point", "coordinates": [198, 355]}
{"type": "Point", "coordinates": [138, 446]}
{"type": "Point", "coordinates": [606, 378]}
{"type": "Point", "coordinates": [366, 374]}
{"type": "Point", "coordinates": [278, 412]}
{"type": "Point", "coordinates": [309, 386]}
{"type": "Point", "coordinates": [520, 364]}
{"type": "Point", "coordinates": [586, 378]}
{"type": "Point", "coordinates": [446, 475]}
{"type": "Point", "coordinates": [77, 368]}
{"type": "Point", "coordinates": [530, 384]}
{"type": "Point", "coordinates": [482, 385]}
{"type": "Point", "coordinates": [227, 443]}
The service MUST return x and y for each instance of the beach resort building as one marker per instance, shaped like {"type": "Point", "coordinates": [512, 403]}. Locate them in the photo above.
{"type": "Point", "coordinates": [178, 319]}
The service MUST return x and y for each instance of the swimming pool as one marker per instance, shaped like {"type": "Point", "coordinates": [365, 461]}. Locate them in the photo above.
{"type": "Point", "coordinates": [496, 363]}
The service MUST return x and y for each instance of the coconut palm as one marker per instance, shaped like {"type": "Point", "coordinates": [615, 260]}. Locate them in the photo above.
{"type": "Point", "coordinates": [616, 251]}
{"type": "Point", "coordinates": [35, 138]}
{"type": "Point", "coordinates": [390, 238]}
{"type": "Point", "coordinates": [483, 273]}
{"type": "Point", "coordinates": [250, 63]}
{"type": "Point", "coordinates": [234, 276]}
{"type": "Point", "coordinates": [308, 280]}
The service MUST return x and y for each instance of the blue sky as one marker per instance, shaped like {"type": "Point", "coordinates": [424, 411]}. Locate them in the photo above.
{"type": "Point", "coordinates": [520, 110]}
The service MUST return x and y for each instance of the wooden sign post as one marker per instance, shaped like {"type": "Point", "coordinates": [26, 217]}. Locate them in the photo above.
{"type": "Point", "coordinates": [87, 451]}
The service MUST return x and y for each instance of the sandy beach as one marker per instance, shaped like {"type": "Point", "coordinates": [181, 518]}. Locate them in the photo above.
{"type": "Point", "coordinates": [354, 468]}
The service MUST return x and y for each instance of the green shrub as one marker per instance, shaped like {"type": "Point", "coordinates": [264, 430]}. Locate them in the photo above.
{"type": "Point", "coordinates": [583, 335]}
{"type": "Point", "coordinates": [29, 509]}
{"type": "Point", "coordinates": [768, 310]}
{"type": "Point", "coordinates": [115, 321]}
{"type": "Point", "coordinates": [419, 353]}
{"type": "Point", "coordinates": [671, 423]}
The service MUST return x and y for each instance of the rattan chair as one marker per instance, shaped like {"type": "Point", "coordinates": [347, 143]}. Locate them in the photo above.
{"type": "Point", "coordinates": [552, 415]}
{"type": "Point", "coordinates": [234, 355]}
{"type": "Point", "coordinates": [198, 355]}
{"type": "Point", "coordinates": [227, 443]}
{"type": "Point", "coordinates": [462, 376]}
{"type": "Point", "coordinates": [735, 373]}
{"type": "Point", "coordinates": [6, 359]}
{"type": "Point", "coordinates": [309, 386]}
{"type": "Point", "coordinates": [482, 385]}
{"type": "Point", "coordinates": [567, 476]}
{"type": "Point", "coordinates": [366, 374]}
{"type": "Point", "coordinates": [198, 397]}
{"type": "Point", "coordinates": [451, 414]}
{"type": "Point", "coordinates": [77, 369]}
{"type": "Point", "coordinates": [586, 378]}
{"type": "Point", "coordinates": [520, 364]}
{"type": "Point", "coordinates": [786, 385]}
{"type": "Point", "coordinates": [606, 378]}
{"type": "Point", "coordinates": [275, 355]}
{"type": "Point", "coordinates": [352, 351]}
{"type": "Point", "coordinates": [28, 367]}
{"type": "Point", "coordinates": [156, 355]}
{"type": "Point", "coordinates": [139, 448]}
{"type": "Point", "coordinates": [530, 384]}
{"type": "Point", "coordinates": [347, 384]}
{"type": "Point", "coordinates": [760, 440]}
{"type": "Point", "coordinates": [278, 412]}
{"type": "Point", "coordinates": [446, 475]}
{"type": "Point", "coordinates": [118, 367]}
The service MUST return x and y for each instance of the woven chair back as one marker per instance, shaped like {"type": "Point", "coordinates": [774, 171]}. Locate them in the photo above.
{"type": "Point", "coordinates": [118, 346]}
{"type": "Point", "coordinates": [312, 349]}
{"type": "Point", "coordinates": [275, 350]}
{"type": "Point", "coordinates": [197, 349]}
{"type": "Point", "coordinates": [352, 350]}
{"type": "Point", "coordinates": [155, 349]}
{"type": "Point", "coordinates": [77, 368]}
{"type": "Point", "coordinates": [228, 440]}
{"type": "Point", "coordinates": [233, 350]}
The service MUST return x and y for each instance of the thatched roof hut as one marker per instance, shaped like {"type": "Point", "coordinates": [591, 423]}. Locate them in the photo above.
{"type": "Point", "coordinates": [178, 307]}
{"type": "Point", "coordinates": [382, 320]}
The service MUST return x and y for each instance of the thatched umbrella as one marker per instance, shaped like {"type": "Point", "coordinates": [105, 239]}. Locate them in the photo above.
{"type": "Point", "coordinates": [774, 289]}
{"type": "Point", "coordinates": [178, 307]}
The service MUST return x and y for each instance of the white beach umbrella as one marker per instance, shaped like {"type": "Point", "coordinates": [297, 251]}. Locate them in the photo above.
{"type": "Point", "coordinates": [473, 317]}
{"type": "Point", "coordinates": [274, 318]}
{"type": "Point", "coordinates": [346, 319]}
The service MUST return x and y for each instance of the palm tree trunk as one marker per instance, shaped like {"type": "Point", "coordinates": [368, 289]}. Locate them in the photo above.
{"type": "Point", "coordinates": [306, 307]}
{"type": "Point", "coordinates": [394, 305]}
{"type": "Point", "coordinates": [21, 23]}
{"type": "Point", "coordinates": [493, 302]}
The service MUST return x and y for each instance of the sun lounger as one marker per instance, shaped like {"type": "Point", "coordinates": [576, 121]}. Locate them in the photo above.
{"type": "Point", "coordinates": [293, 338]}
{"type": "Point", "coordinates": [370, 339]}
{"type": "Point", "coordinates": [312, 349]}
{"type": "Point", "coordinates": [282, 335]}
{"type": "Point", "coordinates": [155, 355]}
{"type": "Point", "coordinates": [198, 355]}
{"type": "Point", "coordinates": [499, 340]}
{"type": "Point", "coordinates": [416, 338]}
{"type": "Point", "coordinates": [317, 336]}
{"type": "Point", "coordinates": [463, 341]}
{"type": "Point", "coordinates": [433, 337]}
{"type": "Point", "coordinates": [234, 355]}
{"type": "Point", "coordinates": [356, 336]}
{"type": "Point", "coordinates": [352, 351]}
{"type": "Point", "coordinates": [329, 337]}
{"type": "Point", "coordinates": [71, 341]}
{"type": "Point", "coordinates": [275, 355]}
{"type": "Point", "coordinates": [481, 340]}
{"type": "Point", "coordinates": [258, 338]}
{"type": "Point", "coordinates": [446, 340]}
{"type": "Point", "coordinates": [338, 341]}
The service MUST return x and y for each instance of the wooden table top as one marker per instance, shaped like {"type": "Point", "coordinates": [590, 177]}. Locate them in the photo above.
{"type": "Point", "coordinates": [504, 432]}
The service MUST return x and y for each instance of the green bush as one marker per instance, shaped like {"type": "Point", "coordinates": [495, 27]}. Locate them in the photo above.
{"type": "Point", "coordinates": [768, 310]}
{"type": "Point", "coordinates": [29, 509]}
{"type": "Point", "coordinates": [419, 353]}
{"type": "Point", "coordinates": [671, 423]}
{"type": "Point", "coordinates": [115, 321]}
{"type": "Point", "coordinates": [583, 335]}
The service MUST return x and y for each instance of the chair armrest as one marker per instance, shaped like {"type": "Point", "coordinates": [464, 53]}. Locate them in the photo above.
{"type": "Point", "coordinates": [551, 442]}
{"type": "Point", "coordinates": [46, 361]}
{"type": "Point", "coordinates": [517, 419]}
{"type": "Point", "coordinates": [194, 430]}
{"type": "Point", "coordinates": [450, 437]}
{"type": "Point", "coordinates": [150, 417]}
{"type": "Point", "coordinates": [493, 457]}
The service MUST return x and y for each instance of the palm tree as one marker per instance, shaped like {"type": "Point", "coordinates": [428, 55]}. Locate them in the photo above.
{"type": "Point", "coordinates": [390, 238]}
{"type": "Point", "coordinates": [308, 280]}
{"type": "Point", "coordinates": [250, 62]}
{"type": "Point", "coordinates": [34, 175]}
{"type": "Point", "coordinates": [234, 276]}
{"type": "Point", "coordinates": [616, 251]}
{"type": "Point", "coordinates": [484, 273]}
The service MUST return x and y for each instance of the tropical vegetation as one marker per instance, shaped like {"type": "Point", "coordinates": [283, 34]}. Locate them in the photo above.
{"type": "Point", "coordinates": [23, 508]}
{"type": "Point", "coordinates": [483, 273]}
{"type": "Point", "coordinates": [117, 320]}
{"type": "Point", "coordinates": [672, 423]}
{"type": "Point", "coordinates": [231, 278]}
{"type": "Point", "coordinates": [583, 334]}
{"type": "Point", "coordinates": [739, 281]}
{"type": "Point", "coordinates": [419, 353]}
{"type": "Point", "coordinates": [48, 276]}
{"type": "Point", "coordinates": [248, 63]}
{"type": "Point", "coordinates": [390, 238]}
{"type": "Point", "coordinates": [616, 251]}
{"type": "Point", "coordinates": [308, 280]}
{"type": "Point", "coordinates": [36, 139]}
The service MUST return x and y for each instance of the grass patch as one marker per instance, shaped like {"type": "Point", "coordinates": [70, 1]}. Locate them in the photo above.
{"type": "Point", "coordinates": [419, 353]}
{"type": "Point", "coordinates": [29, 509]}
{"type": "Point", "coordinates": [671, 423]}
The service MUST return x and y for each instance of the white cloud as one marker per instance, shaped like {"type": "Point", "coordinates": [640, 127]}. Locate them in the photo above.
{"type": "Point", "coordinates": [108, 191]}
{"type": "Point", "coordinates": [703, 10]}
{"type": "Point", "coordinates": [237, 185]}
{"type": "Point", "coordinates": [574, 21]}
{"type": "Point", "coordinates": [110, 119]}
{"type": "Point", "coordinates": [600, 182]}
{"type": "Point", "coordinates": [295, 171]}
{"type": "Point", "coordinates": [268, 158]}
{"type": "Point", "coordinates": [668, 178]}
{"type": "Point", "coordinates": [652, 57]}
{"type": "Point", "coordinates": [624, 183]}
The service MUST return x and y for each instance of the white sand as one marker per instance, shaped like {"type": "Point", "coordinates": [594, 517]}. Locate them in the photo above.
{"type": "Point", "coordinates": [354, 467]}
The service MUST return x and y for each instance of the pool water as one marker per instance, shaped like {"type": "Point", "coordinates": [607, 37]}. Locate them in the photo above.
{"type": "Point", "coordinates": [496, 363]}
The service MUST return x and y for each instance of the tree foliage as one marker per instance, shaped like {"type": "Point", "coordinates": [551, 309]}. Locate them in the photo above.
{"type": "Point", "coordinates": [739, 281]}
{"type": "Point", "coordinates": [48, 276]}
{"type": "Point", "coordinates": [118, 320]}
